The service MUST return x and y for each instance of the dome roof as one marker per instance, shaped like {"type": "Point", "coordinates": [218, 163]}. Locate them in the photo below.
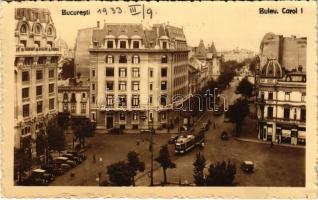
{"type": "Point", "coordinates": [272, 69]}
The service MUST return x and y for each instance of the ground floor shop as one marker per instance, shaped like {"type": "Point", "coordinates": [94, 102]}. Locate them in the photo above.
{"type": "Point", "coordinates": [282, 133]}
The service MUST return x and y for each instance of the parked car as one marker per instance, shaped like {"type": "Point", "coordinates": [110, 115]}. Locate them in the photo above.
{"type": "Point", "coordinates": [173, 139]}
{"type": "Point", "coordinates": [247, 166]}
{"type": "Point", "coordinates": [72, 157]}
{"type": "Point", "coordinates": [39, 177]}
{"type": "Point", "coordinates": [115, 130]}
{"type": "Point", "coordinates": [225, 136]}
{"type": "Point", "coordinates": [53, 169]}
{"type": "Point", "coordinates": [49, 177]}
{"type": "Point", "coordinates": [64, 163]}
{"type": "Point", "coordinates": [80, 155]}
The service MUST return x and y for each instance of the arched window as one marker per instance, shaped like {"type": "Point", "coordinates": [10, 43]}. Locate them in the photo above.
{"type": "Point", "coordinates": [38, 29]}
{"type": "Point", "coordinates": [23, 28]}
{"type": "Point", "coordinates": [65, 97]}
{"type": "Point", "coordinates": [49, 31]}
{"type": "Point", "coordinates": [73, 98]}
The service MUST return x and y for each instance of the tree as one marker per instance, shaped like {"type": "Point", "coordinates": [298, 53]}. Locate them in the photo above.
{"type": "Point", "coordinates": [245, 88]}
{"type": "Point", "coordinates": [237, 113]}
{"type": "Point", "coordinates": [135, 165]}
{"type": "Point", "coordinates": [199, 165]}
{"type": "Point", "coordinates": [55, 134]}
{"type": "Point", "coordinates": [119, 174]}
{"type": "Point", "coordinates": [82, 128]}
{"type": "Point", "coordinates": [40, 143]}
{"type": "Point", "coordinates": [221, 174]}
{"type": "Point", "coordinates": [67, 69]}
{"type": "Point", "coordinates": [165, 162]}
{"type": "Point", "coordinates": [22, 163]}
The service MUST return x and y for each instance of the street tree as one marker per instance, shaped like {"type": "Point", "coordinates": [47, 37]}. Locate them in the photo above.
{"type": "Point", "coordinates": [245, 88]}
{"type": "Point", "coordinates": [198, 171]}
{"type": "Point", "coordinates": [237, 114]}
{"type": "Point", "coordinates": [119, 174]}
{"type": "Point", "coordinates": [55, 136]}
{"type": "Point", "coordinates": [22, 163]}
{"type": "Point", "coordinates": [135, 165]}
{"type": "Point", "coordinates": [221, 174]}
{"type": "Point", "coordinates": [40, 143]}
{"type": "Point", "coordinates": [82, 128]}
{"type": "Point", "coordinates": [165, 161]}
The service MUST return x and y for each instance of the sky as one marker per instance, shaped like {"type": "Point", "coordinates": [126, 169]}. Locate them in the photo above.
{"type": "Point", "coordinates": [228, 25]}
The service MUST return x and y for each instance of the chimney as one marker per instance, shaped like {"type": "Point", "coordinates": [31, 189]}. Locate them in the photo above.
{"type": "Point", "coordinates": [97, 24]}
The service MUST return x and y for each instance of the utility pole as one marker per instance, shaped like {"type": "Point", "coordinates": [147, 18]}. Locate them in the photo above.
{"type": "Point", "coordinates": [151, 157]}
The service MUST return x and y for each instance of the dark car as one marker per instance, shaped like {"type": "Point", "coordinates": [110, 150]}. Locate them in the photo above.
{"type": "Point", "coordinates": [74, 158]}
{"type": "Point", "coordinates": [48, 177]}
{"type": "Point", "coordinates": [53, 169]}
{"type": "Point", "coordinates": [39, 177]}
{"type": "Point", "coordinates": [247, 166]}
{"type": "Point", "coordinates": [173, 139]}
{"type": "Point", "coordinates": [80, 155]}
{"type": "Point", "coordinates": [225, 136]}
{"type": "Point", "coordinates": [116, 131]}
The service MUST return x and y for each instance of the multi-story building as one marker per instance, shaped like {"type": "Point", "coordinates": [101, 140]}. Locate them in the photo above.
{"type": "Point", "coordinates": [73, 98]}
{"type": "Point", "coordinates": [238, 55]}
{"type": "Point", "coordinates": [289, 51]}
{"type": "Point", "coordinates": [35, 71]}
{"type": "Point", "coordinates": [282, 104]}
{"type": "Point", "coordinates": [136, 74]}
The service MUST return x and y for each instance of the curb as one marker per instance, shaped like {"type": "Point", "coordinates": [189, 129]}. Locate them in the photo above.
{"type": "Point", "coordinates": [275, 144]}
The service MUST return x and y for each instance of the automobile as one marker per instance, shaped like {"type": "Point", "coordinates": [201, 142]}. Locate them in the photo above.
{"type": "Point", "coordinates": [145, 131]}
{"type": "Point", "coordinates": [117, 131]}
{"type": "Point", "coordinates": [38, 177]}
{"type": "Point", "coordinates": [80, 155]}
{"type": "Point", "coordinates": [71, 163]}
{"type": "Point", "coordinates": [72, 157]}
{"type": "Point", "coordinates": [173, 139]}
{"type": "Point", "coordinates": [225, 136]}
{"type": "Point", "coordinates": [205, 126]}
{"type": "Point", "coordinates": [48, 177]}
{"type": "Point", "coordinates": [247, 166]}
{"type": "Point", "coordinates": [65, 167]}
{"type": "Point", "coordinates": [53, 169]}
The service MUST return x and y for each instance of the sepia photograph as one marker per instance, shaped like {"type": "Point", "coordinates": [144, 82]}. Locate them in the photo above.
{"type": "Point", "coordinates": [162, 94]}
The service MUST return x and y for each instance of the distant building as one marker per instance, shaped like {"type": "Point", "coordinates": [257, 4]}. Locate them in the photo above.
{"type": "Point", "coordinates": [73, 98]}
{"type": "Point", "coordinates": [35, 72]}
{"type": "Point", "coordinates": [238, 55]}
{"type": "Point", "coordinates": [207, 61]}
{"type": "Point", "coordinates": [290, 52]}
{"type": "Point", "coordinates": [135, 73]}
{"type": "Point", "coordinates": [81, 53]}
{"type": "Point", "coordinates": [281, 104]}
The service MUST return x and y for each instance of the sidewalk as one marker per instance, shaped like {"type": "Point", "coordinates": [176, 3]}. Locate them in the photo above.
{"type": "Point", "coordinates": [265, 142]}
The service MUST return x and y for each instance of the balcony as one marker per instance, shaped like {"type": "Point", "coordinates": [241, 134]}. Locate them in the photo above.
{"type": "Point", "coordinates": [37, 50]}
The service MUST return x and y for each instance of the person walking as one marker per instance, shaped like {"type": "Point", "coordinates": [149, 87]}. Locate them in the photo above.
{"type": "Point", "coordinates": [94, 158]}
{"type": "Point", "coordinates": [272, 144]}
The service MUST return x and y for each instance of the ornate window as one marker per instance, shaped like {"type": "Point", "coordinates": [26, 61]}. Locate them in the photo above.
{"type": "Point", "coordinates": [23, 28]}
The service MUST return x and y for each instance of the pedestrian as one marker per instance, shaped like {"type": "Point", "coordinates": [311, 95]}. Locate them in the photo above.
{"type": "Point", "coordinates": [94, 158]}
{"type": "Point", "coordinates": [214, 125]}
{"type": "Point", "coordinates": [272, 144]}
{"type": "Point", "coordinates": [100, 160]}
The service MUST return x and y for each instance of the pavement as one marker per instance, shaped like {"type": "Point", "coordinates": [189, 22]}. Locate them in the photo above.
{"type": "Point", "coordinates": [278, 166]}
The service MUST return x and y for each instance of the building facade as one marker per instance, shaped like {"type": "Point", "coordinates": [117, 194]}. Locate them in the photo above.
{"type": "Point", "coordinates": [73, 98]}
{"type": "Point", "coordinates": [136, 74]}
{"type": "Point", "coordinates": [35, 71]}
{"type": "Point", "coordinates": [290, 52]}
{"type": "Point", "coordinates": [282, 104]}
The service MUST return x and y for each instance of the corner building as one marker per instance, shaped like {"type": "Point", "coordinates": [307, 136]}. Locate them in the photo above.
{"type": "Point", "coordinates": [135, 73]}
{"type": "Point", "coordinates": [35, 73]}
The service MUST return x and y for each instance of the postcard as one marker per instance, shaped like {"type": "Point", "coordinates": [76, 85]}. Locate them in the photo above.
{"type": "Point", "coordinates": [159, 99]}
